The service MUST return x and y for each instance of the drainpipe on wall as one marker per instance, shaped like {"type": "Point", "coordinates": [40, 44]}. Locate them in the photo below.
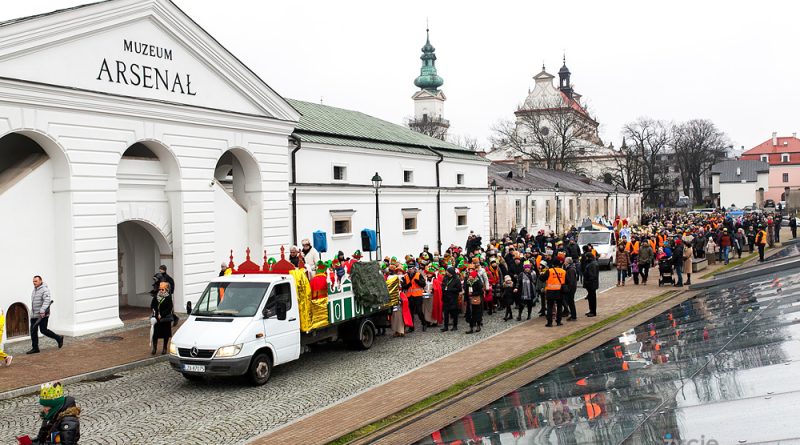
{"type": "Point", "coordinates": [438, 201]}
{"type": "Point", "coordinates": [294, 140]}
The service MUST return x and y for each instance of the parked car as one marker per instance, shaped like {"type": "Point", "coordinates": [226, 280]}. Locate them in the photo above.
{"type": "Point", "coordinates": [683, 201]}
{"type": "Point", "coordinates": [769, 204]}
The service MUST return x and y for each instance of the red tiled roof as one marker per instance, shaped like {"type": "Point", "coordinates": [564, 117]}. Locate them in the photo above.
{"type": "Point", "coordinates": [574, 104]}
{"type": "Point", "coordinates": [766, 147]}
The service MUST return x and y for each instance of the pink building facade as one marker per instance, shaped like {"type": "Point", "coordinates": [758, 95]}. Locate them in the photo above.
{"type": "Point", "coordinates": [783, 156]}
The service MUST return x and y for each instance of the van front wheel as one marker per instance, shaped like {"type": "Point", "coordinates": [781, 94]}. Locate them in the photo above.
{"type": "Point", "coordinates": [260, 369]}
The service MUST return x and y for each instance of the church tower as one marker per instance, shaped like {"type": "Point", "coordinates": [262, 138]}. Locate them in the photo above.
{"type": "Point", "coordinates": [429, 100]}
{"type": "Point", "coordinates": [563, 79]}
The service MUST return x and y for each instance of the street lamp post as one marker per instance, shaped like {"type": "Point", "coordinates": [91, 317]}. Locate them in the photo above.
{"type": "Point", "coordinates": [494, 192]}
{"type": "Point", "coordinates": [558, 210]}
{"type": "Point", "coordinates": [376, 182]}
{"type": "Point", "coordinates": [616, 201]}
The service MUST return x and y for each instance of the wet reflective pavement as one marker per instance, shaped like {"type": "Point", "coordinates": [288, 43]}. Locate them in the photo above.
{"type": "Point", "coordinates": [720, 368]}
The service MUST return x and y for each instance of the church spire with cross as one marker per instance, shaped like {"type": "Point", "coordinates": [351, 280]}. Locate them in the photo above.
{"type": "Point", "coordinates": [429, 100]}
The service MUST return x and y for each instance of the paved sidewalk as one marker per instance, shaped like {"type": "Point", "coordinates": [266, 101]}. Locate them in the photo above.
{"type": "Point", "coordinates": [80, 356]}
{"type": "Point", "coordinates": [379, 402]}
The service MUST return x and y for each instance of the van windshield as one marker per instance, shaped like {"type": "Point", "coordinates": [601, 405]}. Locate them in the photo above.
{"type": "Point", "coordinates": [594, 238]}
{"type": "Point", "coordinates": [231, 299]}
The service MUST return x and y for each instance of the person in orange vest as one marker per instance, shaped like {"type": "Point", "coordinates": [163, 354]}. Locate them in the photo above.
{"type": "Point", "coordinates": [413, 284]}
{"type": "Point", "coordinates": [554, 279]}
{"type": "Point", "coordinates": [319, 282]}
{"type": "Point", "coordinates": [761, 242]}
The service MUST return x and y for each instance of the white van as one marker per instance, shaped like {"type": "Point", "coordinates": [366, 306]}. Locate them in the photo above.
{"type": "Point", "coordinates": [243, 325]}
{"type": "Point", "coordinates": [602, 241]}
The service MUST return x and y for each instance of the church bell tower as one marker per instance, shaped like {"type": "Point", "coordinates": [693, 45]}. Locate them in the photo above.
{"type": "Point", "coordinates": [429, 100]}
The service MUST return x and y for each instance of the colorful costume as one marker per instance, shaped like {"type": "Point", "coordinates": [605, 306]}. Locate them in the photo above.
{"type": "Point", "coordinates": [319, 284]}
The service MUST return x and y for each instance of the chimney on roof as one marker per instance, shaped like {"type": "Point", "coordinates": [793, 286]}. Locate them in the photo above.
{"type": "Point", "coordinates": [526, 165]}
{"type": "Point", "coordinates": [774, 138]}
{"type": "Point", "coordinates": [794, 135]}
{"type": "Point", "coordinates": [517, 160]}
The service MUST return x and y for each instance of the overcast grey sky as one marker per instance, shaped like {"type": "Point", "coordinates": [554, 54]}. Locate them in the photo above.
{"type": "Point", "coordinates": [734, 62]}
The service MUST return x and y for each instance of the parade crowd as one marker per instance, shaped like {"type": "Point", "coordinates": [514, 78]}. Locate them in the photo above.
{"type": "Point", "coordinates": [520, 271]}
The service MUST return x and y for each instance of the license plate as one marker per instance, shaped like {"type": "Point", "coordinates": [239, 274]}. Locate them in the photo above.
{"type": "Point", "coordinates": [194, 368]}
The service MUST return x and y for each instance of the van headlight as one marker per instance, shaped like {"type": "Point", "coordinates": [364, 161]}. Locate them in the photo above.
{"type": "Point", "coordinates": [173, 350]}
{"type": "Point", "coordinates": [228, 351]}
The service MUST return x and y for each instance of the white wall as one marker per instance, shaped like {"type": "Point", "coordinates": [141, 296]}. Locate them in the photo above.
{"type": "Point", "coordinates": [314, 202]}
{"type": "Point", "coordinates": [741, 194]}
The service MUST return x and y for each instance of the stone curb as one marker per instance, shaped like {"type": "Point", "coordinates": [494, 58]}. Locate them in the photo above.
{"type": "Point", "coordinates": [28, 390]}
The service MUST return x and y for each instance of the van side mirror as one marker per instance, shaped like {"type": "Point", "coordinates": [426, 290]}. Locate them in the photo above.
{"type": "Point", "coordinates": [280, 310]}
{"type": "Point", "coordinates": [188, 307]}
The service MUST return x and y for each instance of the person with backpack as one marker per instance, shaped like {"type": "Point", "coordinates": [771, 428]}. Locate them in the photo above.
{"type": "Point", "coordinates": [473, 293]}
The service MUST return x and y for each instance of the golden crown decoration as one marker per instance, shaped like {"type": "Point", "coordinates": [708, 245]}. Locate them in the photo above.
{"type": "Point", "coordinates": [51, 391]}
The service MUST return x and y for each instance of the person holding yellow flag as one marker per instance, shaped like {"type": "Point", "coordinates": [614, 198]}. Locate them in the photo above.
{"type": "Point", "coordinates": [3, 356]}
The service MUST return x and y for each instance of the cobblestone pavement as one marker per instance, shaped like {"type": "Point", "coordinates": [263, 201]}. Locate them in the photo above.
{"type": "Point", "coordinates": [155, 405]}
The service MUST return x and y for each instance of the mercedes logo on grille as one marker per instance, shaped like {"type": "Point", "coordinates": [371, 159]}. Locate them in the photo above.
{"type": "Point", "coordinates": [194, 351]}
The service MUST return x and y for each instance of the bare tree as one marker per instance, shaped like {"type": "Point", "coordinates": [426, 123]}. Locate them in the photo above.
{"type": "Point", "coordinates": [434, 127]}
{"type": "Point", "coordinates": [698, 144]}
{"type": "Point", "coordinates": [628, 168]}
{"type": "Point", "coordinates": [555, 133]}
{"type": "Point", "coordinates": [648, 138]}
{"type": "Point", "coordinates": [466, 141]}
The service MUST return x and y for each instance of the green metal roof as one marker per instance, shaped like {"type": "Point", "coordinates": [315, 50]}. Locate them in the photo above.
{"type": "Point", "coordinates": [362, 128]}
{"type": "Point", "coordinates": [345, 142]}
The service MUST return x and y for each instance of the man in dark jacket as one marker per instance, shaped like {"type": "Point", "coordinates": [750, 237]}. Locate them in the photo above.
{"type": "Point", "coordinates": [571, 285]}
{"type": "Point", "coordinates": [792, 226]}
{"type": "Point", "coordinates": [451, 288]}
{"type": "Point", "coordinates": [60, 417]}
{"type": "Point", "coordinates": [591, 281]}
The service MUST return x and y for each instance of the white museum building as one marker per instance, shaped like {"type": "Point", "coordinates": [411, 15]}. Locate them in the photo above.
{"type": "Point", "coordinates": [131, 138]}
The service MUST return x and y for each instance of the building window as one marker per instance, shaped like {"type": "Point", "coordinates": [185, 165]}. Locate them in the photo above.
{"type": "Point", "coordinates": [578, 209]}
{"type": "Point", "coordinates": [460, 178]}
{"type": "Point", "coordinates": [342, 222]}
{"type": "Point", "coordinates": [339, 173]}
{"type": "Point", "coordinates": [786, 177]}
{"type": "Point", "coordinates": [547, 211]}
{"type": "Point", "coordinates": [518, 211]}
{"type": "Point", "coordinates": [785, 157]}
{"type": "Point", "coordinates": [408, 176]}
{"type": "Point", "coordinates": [461, 217]}
{"type": "Point", "coordinates": [533, 212]}
{"type": "Point", "coordinates": [341, 226]}
{"type": "Point", "coordinates": [571, 215]}
{"type": "Point", "coordinates": [410, 219]}
{"type": "Point", "coordinates": [765, 158]}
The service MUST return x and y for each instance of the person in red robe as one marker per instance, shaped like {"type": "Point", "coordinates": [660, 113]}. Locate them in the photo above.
{"type": "Point", "coordinates": [437, 296]}
{"type": "Point", "coordinates": [407, 320]}
{"type": "Point", "coordinates": [353, 259]}
{"type": "Point", "coordinates": [319, 283]}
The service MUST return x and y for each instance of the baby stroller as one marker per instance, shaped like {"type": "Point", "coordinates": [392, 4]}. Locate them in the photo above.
{"type": "Point", "coordinates": [665, 273]}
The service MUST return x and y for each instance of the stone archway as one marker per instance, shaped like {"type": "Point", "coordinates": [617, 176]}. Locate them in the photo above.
{"type": "Point", "coordinates": [34, 184]}
{"type": "Point", "coordinates": [237, 203]}
{"type": "Point", "coordinates": [141, 249]}
{"type": "Point", "coordinates": [148, 203]}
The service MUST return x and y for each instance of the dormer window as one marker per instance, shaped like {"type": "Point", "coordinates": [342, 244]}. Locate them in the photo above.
{"type": "Point", "coordinates": [785, 157]}
{"type": "Point", "coordinates": [765, 158]}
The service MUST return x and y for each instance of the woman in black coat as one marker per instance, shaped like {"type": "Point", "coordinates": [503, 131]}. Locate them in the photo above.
{"type": "Point", "coordinates": [162, 308]}
{"type": "Point", "coordinates": [473, 292]}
